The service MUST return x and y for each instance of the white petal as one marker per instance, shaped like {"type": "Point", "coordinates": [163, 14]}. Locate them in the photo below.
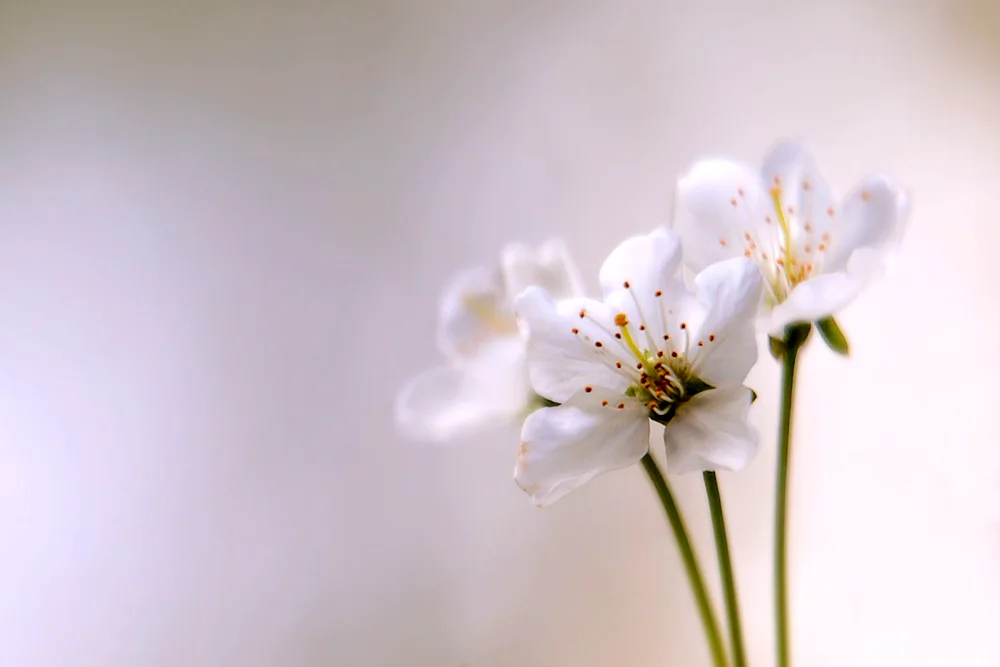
{"type": "Point", "coordinates": [785, 163]}
{"type": "Point", "coordinates": [825, 294]}
{"type": "Point", "coordinates": [561, 362]}
{"type": "Point", "coordinates": [711, 432]}
{"type": "Point", "coordinates": [726, 345]}
{"type": "Point", "coordinates": [448, 402]}
{"type": "Point", "coordinates": [717, 203]}
{"type": "Point", "coordinates": [566, 446]}
{"type": "Point", "coordinates": [639, 278]}
{"type": "Point", "coordinates": [647, 262]}
{"type": "Point", "coordinates": [804, 194]}
{"type": "Point", "coordinates": [474, 311]}
{"type": "Point", "coordinates": [549, 267]}
{"type": "Point", "coordinates": [873, 216]}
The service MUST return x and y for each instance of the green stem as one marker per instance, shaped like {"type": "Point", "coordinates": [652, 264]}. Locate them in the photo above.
{"type": "Point", "coordinates": [708, 618]}
{"type": "Point", "coordinates": [788, 357]}
{"type": "Point", "coordinates": [725, 569]}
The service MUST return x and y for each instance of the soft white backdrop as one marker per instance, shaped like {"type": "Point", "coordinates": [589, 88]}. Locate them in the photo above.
{"type": "Point", "coordinates": [223, 228]}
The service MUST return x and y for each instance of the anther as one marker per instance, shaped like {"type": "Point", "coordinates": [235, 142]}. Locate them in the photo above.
{"type": "Point", "coordinates": [747, 236]}
{"type": "Point", "coordinates": [674, 354]}
{"type": "Point", "coordinates": [639, 366]}
{"type": "Point", "coordinates": [598, 343]}
{"type": "Point", "coordinates": [805, 185]}
{"type": "Point", "coordinates": [621, 406]}
{"type": "Point", "coordinates": [808, 248]}
{"type": "Point", "coordinates": [821, 247]}
{"type": "Point", "coordinates": [829, 211]}
{"type": "Point", "coordinates": [733, 201]}
{"type": "Point", "coordinates": [666, 336]}
{"type": "Point", "coordinates": [684, 325]}
{"type": "Point", "coordinates": [642, 327]}
{"type": "Point", "coordinates": [741, 192]}
{"type": "Point", "coordinates": [626, 285]}
{"type": "Point", "coordinates": [618, 364]}
{"type": "Point", "coordinates": [575, 330]}
{"type": "Point", "coordinates": [658, 293]}
{"type": "Point", "coordinates": [722, 242]}
{"type": "Point", "coordinates": [618, 336]}
{"type": "Point", "coordinates": [659, 353]}
{"type": "Point", "coordinates": [701, 343]}
{"type": "Point", "coordinates": [588, 389]}
{"type": "Point", "coordinates": [711, 338]}
{"type": "Point", "coordinates": [865, 195]}
{"type": "Point", "coordinates": [604, 403]}
{"type": "Point", "coordinates": [583, 314]}
{"type": "Point", "coordinates": [621, 320]}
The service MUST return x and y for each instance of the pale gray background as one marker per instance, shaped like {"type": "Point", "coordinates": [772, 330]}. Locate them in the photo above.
{"type": "Point", "coordinates": [223, 228]}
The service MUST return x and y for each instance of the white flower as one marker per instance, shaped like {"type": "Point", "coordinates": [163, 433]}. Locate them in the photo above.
{"type": "Point", "coordinates": [649, 350]}
{"type": "Point", "coordinates": [815, 254]}
{"type": "Point", "coordinates": [485, 380]}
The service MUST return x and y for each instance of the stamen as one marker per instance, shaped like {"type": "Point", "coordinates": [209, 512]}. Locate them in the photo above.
{"type": "Point", "coordinates": [785, 229]}
{"type": "Point", "coordinates": [622, 321]}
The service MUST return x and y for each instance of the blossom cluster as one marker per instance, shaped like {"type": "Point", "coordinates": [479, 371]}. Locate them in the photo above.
{"type": "Point", "coordinates": [672, 337]}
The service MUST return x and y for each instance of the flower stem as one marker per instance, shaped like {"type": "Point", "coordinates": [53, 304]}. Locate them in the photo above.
{"type": "Point", "coordinates": [708, 617]}
{"type": "Point", "coordinates": [725, 569]}
{"type": "Point", "coordinates": [794, 339]}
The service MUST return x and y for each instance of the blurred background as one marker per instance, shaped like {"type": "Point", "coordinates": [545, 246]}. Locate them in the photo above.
{"type": "Point", "coordinates": [223, 231]}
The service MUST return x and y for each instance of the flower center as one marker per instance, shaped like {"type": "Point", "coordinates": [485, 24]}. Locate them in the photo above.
{"type": "Point", "coordinates": [796, 253]}
{"type": "Point", "coordinates": [662, 374]}
{"type": "Point", "coordinates": [793, 269]}
{"type": "Point", "coordinates": [661, 382]}
{"type": "Point", "coordinates": [485, 309]}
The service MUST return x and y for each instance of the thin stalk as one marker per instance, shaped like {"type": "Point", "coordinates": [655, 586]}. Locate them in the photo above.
{"type": "Point", "coordinates": [725, 569]}
{"type": "Point", "coordinates": [704, 603]}
{"type": "Point", "coordinates": [792, 345]}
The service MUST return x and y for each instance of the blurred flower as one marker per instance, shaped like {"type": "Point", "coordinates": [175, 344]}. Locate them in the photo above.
{"type": "Point", "coordinates": [650, 350]}
{"type": "Point", "coordinates": [815, 254]}
{"type": "Point", "coordinates": [485, 380]}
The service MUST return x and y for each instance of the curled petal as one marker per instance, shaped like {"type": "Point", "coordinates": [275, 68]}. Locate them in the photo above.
{"type": "Point", "coordinates": [873, 216]}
